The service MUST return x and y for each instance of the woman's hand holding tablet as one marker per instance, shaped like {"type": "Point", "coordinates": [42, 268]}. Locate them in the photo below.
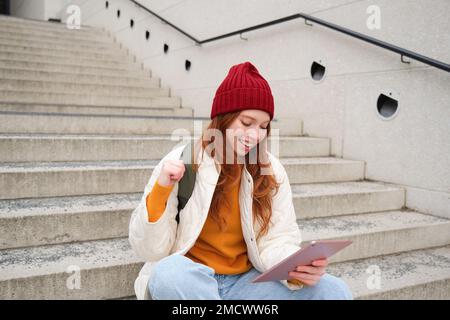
{"type": "Point", "coordinates": [316, 250]}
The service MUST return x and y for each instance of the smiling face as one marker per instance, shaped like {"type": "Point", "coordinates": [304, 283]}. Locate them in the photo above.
{"type": "Point", "coordinates": [247, 130]}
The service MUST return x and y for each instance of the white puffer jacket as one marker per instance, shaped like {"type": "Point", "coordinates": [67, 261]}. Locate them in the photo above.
{"type": "Point", "coordinates": [154, 241]}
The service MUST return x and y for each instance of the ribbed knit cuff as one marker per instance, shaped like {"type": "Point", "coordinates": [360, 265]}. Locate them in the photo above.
{"type": "Point", "coordinates": [156, 201]}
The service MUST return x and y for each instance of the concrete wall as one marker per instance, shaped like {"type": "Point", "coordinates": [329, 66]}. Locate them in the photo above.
{"type": "Point", "coordinates": [55, 8]}
{"type": "Point", "coordinates": [30, 9]}
{"type": "Point", "coordinates": [412, 149]}
{"type": "Point", "coordinates": [38, 9]}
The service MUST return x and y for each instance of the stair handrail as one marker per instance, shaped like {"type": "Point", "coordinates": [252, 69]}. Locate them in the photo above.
{"type": "Point", "coordinates": [379, 43]}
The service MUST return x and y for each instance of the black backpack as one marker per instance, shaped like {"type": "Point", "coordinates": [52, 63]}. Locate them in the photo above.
{"type": "Point", "coordinates": [187, 182]}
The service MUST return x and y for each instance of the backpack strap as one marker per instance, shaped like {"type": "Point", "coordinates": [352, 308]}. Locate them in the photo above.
{"type": "Point", "coordinates": [187, 182]}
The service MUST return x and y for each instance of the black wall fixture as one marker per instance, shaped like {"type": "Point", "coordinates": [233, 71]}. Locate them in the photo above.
{"type": "Point", "coordinates": [317, 71]}
{"type": "Point", "coordinates": [131, 23]}
{"type": "Point", "coordinates": [107, 4]}
{"type": "Point", "coordinates": [166, 48]}
{"type": "Point", "coordinates": [4, 7]}
{"type": "Point", "coordinates": [118, 14]}
{"type": "Point", "coordinates": [386, 106]}
{"type": "Point", "coordinates": [187, 65]}
{"type": "Point", "coordinates": [147, 35]}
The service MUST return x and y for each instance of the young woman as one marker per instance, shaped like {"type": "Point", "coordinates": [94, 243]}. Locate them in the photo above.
{"type": "Point", "coordinates": [240, 219]}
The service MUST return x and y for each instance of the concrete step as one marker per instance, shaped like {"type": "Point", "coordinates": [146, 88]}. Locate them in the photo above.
{"type": "Point", "coordinates": [63, 123]}
{"type": "Point", "coordinates": [55, 87]}
{"type": "Point", "coordinates": [323, 169]}
{"type": "Point", "coordinates": [118, 55]}
{"type": "Point", "coordinates": [8, 57]}
{"type": "Point", "coordinates": [96, 110]}
{"type": "Point", "coordinates": [45, 179]}
{"type": "Point", "coordinates": [61, 44]}
{"type": "Point", "coordinates": [30, 34]}
{"type": "Point", "coordinates": [66, 34]}
{"type": "Point", "coordinates": [56, 64]}
{"type": "Point", "coordinates": [106, 269]}
{"type": "Point", "coordinates": [110, 53]}
{"type": "Point", "coordinates": [14, 122]}
{"type": "Point", "coordinates": [420, 274]}
{"type": "Point", "coordinates": [52, 179]}
{"type": "Point", "coordinates": [85, 78]}
{"type": "Point", "coordinates": [315, 200]}
{"type": "Point", "coordinates": [52, 220]}
{"type": "Point", "coordinates": [300, 146]}
{"type": "Point", "coordinates": [286, 127]}
{"type": "Point", "coordinates": [57, 147]}
{"type": "Point", "coordinates": [44, 221]}
{"type": "Point", "coordinates": [46, 26]}
{"type": "Point", "coordinates": [378, 233]}
{"type": "Point", "coordinates": [85, 99]}
{"type": "Point", "coordinates": [19, 22]}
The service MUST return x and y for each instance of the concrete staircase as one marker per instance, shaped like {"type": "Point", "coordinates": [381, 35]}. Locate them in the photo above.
{"type": "Point", "coordinates": [82, 126]}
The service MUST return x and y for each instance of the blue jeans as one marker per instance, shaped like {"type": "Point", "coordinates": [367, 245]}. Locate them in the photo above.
{"type": "Point", "coordinates": [177, 277]}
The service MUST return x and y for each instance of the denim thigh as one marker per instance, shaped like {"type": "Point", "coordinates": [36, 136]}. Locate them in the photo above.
{"type": "Point", "coordinates": [329, 287]}
{"type": "Point", "coordinates": [177, 277]}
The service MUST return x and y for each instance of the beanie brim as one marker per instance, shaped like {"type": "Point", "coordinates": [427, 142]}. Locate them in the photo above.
{"type": "Point", "coordinates": [241, 99]}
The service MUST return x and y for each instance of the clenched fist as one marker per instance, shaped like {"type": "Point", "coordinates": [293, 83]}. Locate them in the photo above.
{"type": "Point", "coordinates": [172, 171]}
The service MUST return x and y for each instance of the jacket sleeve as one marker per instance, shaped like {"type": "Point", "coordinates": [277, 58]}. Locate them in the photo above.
{"type": "Point", "coordinates": [283, 237]}
{"type": "Point", "coordinates": [152, 241]}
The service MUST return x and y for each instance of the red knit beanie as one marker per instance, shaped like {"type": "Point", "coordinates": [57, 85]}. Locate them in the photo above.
{"type": "Point", "coordinates": [243, 88]}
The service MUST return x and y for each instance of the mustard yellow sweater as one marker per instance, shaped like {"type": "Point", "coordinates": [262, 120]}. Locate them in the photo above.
{"type": "Point", "coordinates": [225, 252]}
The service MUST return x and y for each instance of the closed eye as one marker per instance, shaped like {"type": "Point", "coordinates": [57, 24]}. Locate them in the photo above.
{"type": "Point", "coordinates": [248, 124]}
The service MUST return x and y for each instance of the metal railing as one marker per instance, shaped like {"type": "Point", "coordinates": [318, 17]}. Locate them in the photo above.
{"type": "Point", "coordinates": [382, 44]}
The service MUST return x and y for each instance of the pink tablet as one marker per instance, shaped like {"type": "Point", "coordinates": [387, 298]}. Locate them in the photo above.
{"type": "Point", "coordinates": [315, 250]}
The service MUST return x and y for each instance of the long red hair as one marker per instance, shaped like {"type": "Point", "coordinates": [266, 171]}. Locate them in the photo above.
{"type": "Point", "coordinates": [265, 185]}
